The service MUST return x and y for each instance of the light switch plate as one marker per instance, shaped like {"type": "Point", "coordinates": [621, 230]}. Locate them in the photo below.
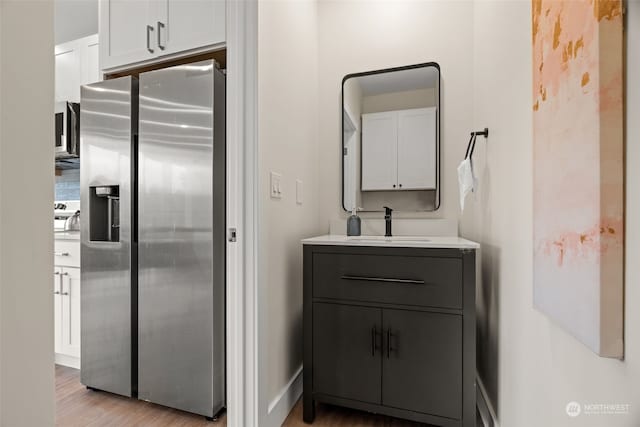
{"type": "Point", "coordinates": [276, 185]}
{"type": "Point", "coordinates": [299, 189]}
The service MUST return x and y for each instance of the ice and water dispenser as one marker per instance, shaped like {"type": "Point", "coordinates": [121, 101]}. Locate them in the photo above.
{"type": "Point", "coordinates": [104, 209]}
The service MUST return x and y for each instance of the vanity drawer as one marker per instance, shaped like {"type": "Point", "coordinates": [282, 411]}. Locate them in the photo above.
{"type": "Point", "coordinates": [408, 280]}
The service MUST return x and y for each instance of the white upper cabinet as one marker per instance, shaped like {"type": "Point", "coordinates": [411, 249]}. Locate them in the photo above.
{"type": "Point", "coordinates": [68, 73]}
{"type": "Point", "coordinates": [399, 150]}
{"type": "Point", "coordinates": [379, 151]}
{"type": "Point", "coordinates": [92, 62]}
{"type": "Point", "coordinates": [144, 30]}
{"type": "Point", "coordinates": [76, 64]}
{"type": "Point", "coordinates": [417, 149]}
{"type": "Point", "coordinates": [190, 24]}
{"type": "Point", "coordinates": [126, 33]}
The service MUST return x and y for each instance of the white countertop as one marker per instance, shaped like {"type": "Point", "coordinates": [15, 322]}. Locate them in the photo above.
{"type": "Point", "coordinates": [395, 241]}
{"type": "Point", "coordinates": [66, 235]}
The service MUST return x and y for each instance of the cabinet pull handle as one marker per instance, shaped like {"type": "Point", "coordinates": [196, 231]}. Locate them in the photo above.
{"type": "Point", "coordinates": [160, 27]}
{"type": "Point", "coordinates": [389, 348]}
{"type": "Point", "coordinates": [57, 273]}
{"type": "Point", "coordinates": [149, 29]}
{"type": "Point", "coordinates": [64, 273]}
{"type": "Point", "coordinates": [373, 341]}
{"type": "Point", "coordinates": [61, 253]}
{"type": "Point", "coordinates": [382, 279]}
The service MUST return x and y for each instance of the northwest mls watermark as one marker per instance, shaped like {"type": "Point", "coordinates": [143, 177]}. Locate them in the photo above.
{"type": "Point", "coordinates": [575, 409]}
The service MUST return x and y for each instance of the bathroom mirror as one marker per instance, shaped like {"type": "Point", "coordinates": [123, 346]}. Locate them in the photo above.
{"type": "Point", "coordinates": [391, 139]}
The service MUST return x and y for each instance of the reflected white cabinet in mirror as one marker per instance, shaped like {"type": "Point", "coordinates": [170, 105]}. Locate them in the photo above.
{"type": "Point", "coordinates": [398, 150]}
{"type": "Point", "coordinates": [391, 139]}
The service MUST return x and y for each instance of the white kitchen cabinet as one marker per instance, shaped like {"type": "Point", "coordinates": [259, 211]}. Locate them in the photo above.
{"type": "Point", "coordinates": [57, 309]}
{"type": "Point", "coordinates": [127, 31]}
{"type": "Point", "coordinates": [190, 24]}
{"type": "Point", "coordinates": [399, 150]}
{"type": "Point", "coordinates": [92, 63]}
{"type": "Point", "coordinates": [70, 312]}
{"type": "Point", "coordinates": [68, 73]}
{"type": "Point", "coordinates": [76, 64]}
{"type": "Point", "coordinates": [145, 30]}
{"type": "Point", "coordinates": [66, 299]}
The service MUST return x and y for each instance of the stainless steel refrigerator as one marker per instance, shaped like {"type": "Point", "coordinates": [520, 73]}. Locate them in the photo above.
{"type": "Point", "coordinates": [153, 186]}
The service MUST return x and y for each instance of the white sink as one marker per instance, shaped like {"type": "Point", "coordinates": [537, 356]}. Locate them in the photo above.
{"type": "Point", "coordinates": [395, 241]}
{"type": "Point", "coordinates": [378, 239]}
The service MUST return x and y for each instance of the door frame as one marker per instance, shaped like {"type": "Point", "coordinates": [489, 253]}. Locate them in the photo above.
{"type": "Point", "coordinates": [242, 213]}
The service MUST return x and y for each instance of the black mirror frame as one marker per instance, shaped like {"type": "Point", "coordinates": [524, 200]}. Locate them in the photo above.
{"type": "Point", "coordinates": [390, 70]}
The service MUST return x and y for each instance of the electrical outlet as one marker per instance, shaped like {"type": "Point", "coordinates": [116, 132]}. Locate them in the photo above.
{"type": "Point", "coordinates": [276, 185]}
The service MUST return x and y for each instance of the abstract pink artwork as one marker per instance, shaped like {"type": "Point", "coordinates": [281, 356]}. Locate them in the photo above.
{"type": "Point", "coordinates": [578, 169]}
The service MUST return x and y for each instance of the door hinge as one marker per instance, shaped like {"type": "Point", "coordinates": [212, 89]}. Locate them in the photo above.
{"type": "Point", "coordinates": [345, 151]}
{"type": "Point", "coordinates": [232, 235]}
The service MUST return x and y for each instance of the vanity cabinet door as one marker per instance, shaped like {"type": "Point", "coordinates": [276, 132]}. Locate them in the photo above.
{"type": "Point", "coordinates": [346, 351]}
{"type": "Point", "coordinates": [422, 362]}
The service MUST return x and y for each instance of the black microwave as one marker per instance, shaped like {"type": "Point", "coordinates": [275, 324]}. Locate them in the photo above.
{"type": "Point", "coordinates": [67, 123]}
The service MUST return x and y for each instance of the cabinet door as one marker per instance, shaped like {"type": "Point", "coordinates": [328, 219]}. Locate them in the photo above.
{"type": "Point", "coordinates": [189, 24]}
{"type": "Point", "coordinates": [68, 74]}
{"type": "Point", "coordinates": [346, 351]}
{"type": "Point", "coordinates": [57, 309]}
{"type": "Point", "coordinates": [379, 151]}
{"type": "Point", "coordinates": [417, 149]}
{"type": "Point", "coordinates": [422, 362]}
{"type": "Point", "coordinates": [92, 63]}
{"type": "Point", "coordinates": [124, 38]}
{"type": "Point", "coordinates": [70, 312]}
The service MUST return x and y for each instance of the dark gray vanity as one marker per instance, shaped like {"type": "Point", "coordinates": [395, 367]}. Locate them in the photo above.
{"type": "Point", "coordinates": [389, 327]}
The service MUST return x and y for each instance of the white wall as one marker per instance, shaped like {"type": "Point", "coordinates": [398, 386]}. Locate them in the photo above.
{"type": "Point", "coordinates": [75, 19]}
{"type": "Point", "coordinates": [26, 197]}
{"type": "Point", "coordinates": [288, 144]}
{"type": "Point", "coordinates": [357, 36]}
{"type": "Point", "coordinates": [530, 367]}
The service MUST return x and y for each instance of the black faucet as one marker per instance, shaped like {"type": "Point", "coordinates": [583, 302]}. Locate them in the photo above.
{"type": "Point", "coordinates": [387, 221]}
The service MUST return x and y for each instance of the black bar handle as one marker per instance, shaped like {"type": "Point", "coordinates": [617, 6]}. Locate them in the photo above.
{"type": "Point", "coordinates": [373, 341]}
{"type": "Point", "coordinates": [383, 279]}
{"type": "Point", "coordinates": [388, 343]}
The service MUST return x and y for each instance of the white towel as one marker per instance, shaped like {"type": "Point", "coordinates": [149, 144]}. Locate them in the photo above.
{"type": "Point", "coordinates": [466, 180]}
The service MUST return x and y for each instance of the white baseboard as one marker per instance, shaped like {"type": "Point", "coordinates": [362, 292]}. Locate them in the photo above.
{"type": "Point", "coordinates": [66, 360]}
{"type": "Point", "coordinates": [487, 412]}
{"type": "Point", "coordinates": [280, 407]}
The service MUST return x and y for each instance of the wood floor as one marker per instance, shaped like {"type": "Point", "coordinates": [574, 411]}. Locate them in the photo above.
{"type": "Point", "coordinates": [79, 407]}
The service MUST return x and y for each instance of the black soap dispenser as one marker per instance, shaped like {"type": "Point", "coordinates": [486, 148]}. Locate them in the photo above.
{"type": "Point", "coordinates": [354, 223]}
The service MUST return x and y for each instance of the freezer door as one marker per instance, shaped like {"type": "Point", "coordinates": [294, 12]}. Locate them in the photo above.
{"type": "Point", "coordinates": [108, 125]}
{"type": "Point", "coordinates": [181, 238]}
